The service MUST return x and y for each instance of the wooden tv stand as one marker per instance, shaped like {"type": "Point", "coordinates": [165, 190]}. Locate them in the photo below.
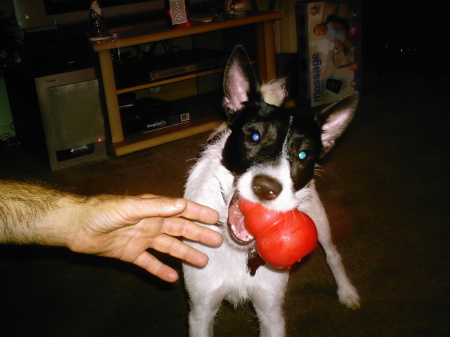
{"type": "Point", "coordinates": [131, 36]}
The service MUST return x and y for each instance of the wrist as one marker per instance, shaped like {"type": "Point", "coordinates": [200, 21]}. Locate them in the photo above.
{"type": "Point", "coordinates": [60, 224]}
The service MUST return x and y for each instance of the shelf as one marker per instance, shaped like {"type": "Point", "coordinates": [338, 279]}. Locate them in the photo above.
{"type": "Point", "coordinates": [153, 32]}
{"type": "Point", "coordinates": [140, 141]}
{"type": "Point", "coordinates": [169, 80]}
{"type": "Point", "coordinates": [134, 35]}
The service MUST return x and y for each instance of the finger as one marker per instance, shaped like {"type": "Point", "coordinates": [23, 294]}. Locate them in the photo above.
{"type": "Point", "coordinates": [148, 196]}
{"type": "Point", "coordinates": [195, 211]}
{"type": "Point", "coordinates": [192, 231]}
{"type": "Point", "coordinates": [151, 264]}
{"type": "Point", "coordinates": [165, 207]}
{"type": "Point", "coordinates": [169, 245]}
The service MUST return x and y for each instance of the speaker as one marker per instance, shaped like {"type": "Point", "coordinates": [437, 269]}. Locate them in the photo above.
{"type": "Point", "coordinates": [72, 117]}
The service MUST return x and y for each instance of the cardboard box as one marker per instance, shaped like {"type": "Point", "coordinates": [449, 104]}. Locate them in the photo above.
{"type": "Point", "coordinates": [329, 50]}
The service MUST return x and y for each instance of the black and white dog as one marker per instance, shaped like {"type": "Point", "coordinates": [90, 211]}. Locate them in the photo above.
{"type": "Point", "coordinates": [266, 154]}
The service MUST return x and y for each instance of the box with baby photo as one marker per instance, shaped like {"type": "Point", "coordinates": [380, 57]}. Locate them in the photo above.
{"type": "Point", "coordinates": [328, 47]}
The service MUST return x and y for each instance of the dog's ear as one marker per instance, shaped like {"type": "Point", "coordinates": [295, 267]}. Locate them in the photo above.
{"type": "Point", "coordinates": [335, 119]}
{"type": "Point", "coordinates": [274, 92]}
{"type": "Point", "coordinates": [240, 84]}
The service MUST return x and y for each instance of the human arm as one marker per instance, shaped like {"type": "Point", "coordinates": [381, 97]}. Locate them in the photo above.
{"type": "Point", "coordinates": [121, 227]}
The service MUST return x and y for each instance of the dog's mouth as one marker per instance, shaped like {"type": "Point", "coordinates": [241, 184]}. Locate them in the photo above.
{"type": "Point", "coordinates": [236, 226]}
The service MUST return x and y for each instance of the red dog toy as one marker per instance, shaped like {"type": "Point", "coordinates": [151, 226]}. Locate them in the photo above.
{"type": "Point", "coordinates": [282, 238]}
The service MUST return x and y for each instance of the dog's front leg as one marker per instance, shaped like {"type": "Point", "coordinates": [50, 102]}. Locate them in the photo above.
{"type": "Point", "coordinates": [203, 310]}
{"type": "Point", "coordinates": [271, 319]}
{"type": "Point", "coordinates": [348, 295]}
{"type": "Point", "coordinates": [267, 298]}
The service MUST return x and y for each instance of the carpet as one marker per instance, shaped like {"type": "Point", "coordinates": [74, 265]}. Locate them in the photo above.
{"type": "Point", "coordinates": [385, 188]}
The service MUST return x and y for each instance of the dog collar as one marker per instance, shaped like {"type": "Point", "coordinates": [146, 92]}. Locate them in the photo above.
{"type": "Point", "coordinates": [254, 261]}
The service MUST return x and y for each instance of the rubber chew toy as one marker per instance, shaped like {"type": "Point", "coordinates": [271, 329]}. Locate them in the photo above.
{"type": "Point", "coordinates": [282, 238]}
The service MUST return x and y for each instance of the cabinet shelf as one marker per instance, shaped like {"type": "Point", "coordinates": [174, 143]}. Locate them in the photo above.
{"type": "Point", "coordinates": [169, 81]}
{"type": "Point", "coordinates": [140, 141]}
{"type": "Point", "coordinates": [121, 144]}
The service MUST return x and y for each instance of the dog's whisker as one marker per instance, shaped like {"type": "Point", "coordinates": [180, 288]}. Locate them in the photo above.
{"type": "Point", "coordinates": [318, 169]}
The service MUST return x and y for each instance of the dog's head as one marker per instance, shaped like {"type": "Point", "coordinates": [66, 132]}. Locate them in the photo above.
{"type": "Point", "coordinates": [273, 151]}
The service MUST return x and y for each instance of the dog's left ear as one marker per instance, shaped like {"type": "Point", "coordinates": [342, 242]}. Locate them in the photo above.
{"type": "Point", "coordinates": [239, 84]}
{"type": "Point", "coordinates": [335, 119]}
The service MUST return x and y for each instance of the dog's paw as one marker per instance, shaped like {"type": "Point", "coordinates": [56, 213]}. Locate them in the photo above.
{"type": "Point", "coordinates": [349, 297]}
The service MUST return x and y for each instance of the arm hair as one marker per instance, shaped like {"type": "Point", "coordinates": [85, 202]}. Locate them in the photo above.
{"type": "Point", "coordinates": [22, 207]}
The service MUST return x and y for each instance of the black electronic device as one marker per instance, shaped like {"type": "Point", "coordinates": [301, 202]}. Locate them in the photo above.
{"type": "Point", "coordinates": [32, 14]}
{"type": "Point", "coordinates": [150, 68]}
{"type": "Point", "coordinates": [148, 114]}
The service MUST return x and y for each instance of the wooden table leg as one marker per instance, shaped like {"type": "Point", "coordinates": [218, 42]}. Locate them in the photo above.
{"type": "Point", "coordinates": [269, 45]}
{"type": "Point", "coordinates": [112, 104]}
{"type": "Point", "coordinates": [266, 52]}
{"type": "Point", "coordinates": [262, 68]}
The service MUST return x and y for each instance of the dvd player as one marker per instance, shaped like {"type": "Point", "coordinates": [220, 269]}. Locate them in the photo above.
{"type": "Point", "coordinates": [148, 114]}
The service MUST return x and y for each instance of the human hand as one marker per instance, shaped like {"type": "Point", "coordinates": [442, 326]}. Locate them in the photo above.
{"type": "Point", "coordinates": [125, 227]}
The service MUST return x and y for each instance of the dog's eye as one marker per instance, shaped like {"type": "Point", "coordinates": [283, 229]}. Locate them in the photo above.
{"type": "Point", "coordinates": [255, 137]}
{"type": "Point", "coordinates": [303, 155]}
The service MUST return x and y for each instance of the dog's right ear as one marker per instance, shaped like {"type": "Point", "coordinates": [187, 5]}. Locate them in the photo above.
{"type": "Point", "coordinates": [335, 119]}
{"type": "Point", "coordinates": [239, 84]}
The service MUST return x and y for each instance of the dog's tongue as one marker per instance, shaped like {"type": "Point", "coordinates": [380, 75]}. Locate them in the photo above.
{"type": "Point", "coordinates": [236, 224]}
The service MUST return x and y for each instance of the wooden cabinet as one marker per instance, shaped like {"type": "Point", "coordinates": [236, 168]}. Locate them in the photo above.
{"type": "Point", "coordinates": [121, 144]}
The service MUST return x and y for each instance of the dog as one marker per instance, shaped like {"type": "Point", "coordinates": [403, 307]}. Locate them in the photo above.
{"type": "Point", "coordinates": [266, 154]}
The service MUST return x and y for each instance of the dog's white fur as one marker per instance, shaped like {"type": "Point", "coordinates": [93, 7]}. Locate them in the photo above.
{"type": "Point", "coordinates": [226, 276]}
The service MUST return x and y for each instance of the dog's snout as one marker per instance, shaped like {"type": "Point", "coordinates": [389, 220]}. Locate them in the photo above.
{"type": "Point", "coordinates": [266, 188]}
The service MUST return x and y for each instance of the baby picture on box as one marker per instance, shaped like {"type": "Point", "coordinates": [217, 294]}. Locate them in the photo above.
{"type": "Point", "coordinates": [330, 50]}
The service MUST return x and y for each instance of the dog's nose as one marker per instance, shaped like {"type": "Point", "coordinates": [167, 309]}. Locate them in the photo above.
{"type": "Point", "coordinates": [266, 188]}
